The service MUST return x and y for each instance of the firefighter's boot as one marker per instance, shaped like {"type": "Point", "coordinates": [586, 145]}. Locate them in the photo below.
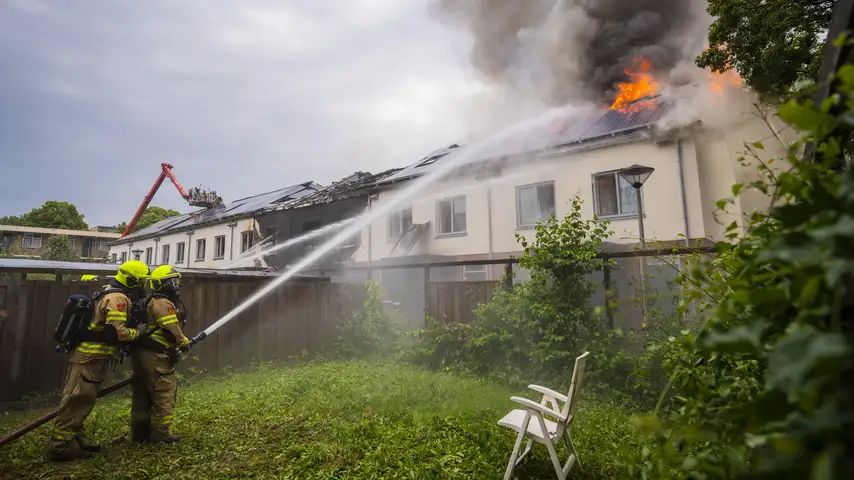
{"type": "Point", "coordinates": [67, 452]}
{"type": "Point", "coordinates": [159, 436]}
{"type": "Point", "coordinates": [86, 446]}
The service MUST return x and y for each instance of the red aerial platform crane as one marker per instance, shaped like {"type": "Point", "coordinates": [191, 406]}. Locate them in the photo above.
{"type": "Point", "coordinates": [196, 197]}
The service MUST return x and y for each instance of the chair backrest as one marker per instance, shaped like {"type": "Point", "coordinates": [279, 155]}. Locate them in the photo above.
{"type": "Point", "coordinates": [575, 385]}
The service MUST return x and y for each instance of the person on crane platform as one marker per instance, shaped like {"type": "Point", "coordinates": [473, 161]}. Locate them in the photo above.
{"type": "Point", "coordinates": [90, 360]}
{"type": "Point", "coordinates": [153, 360]}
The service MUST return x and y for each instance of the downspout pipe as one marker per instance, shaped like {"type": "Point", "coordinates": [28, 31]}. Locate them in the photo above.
{"type": "Point", "coordinates": [231, 226]}
{"type": "Point", "coordinates": [489, 221]}
{"type": "Point", "coordinates": [681, 162]}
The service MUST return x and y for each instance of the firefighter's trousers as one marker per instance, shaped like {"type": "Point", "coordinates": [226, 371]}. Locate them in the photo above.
{"type": "Point", "coordinates": [154, 394]}
{"type": "Point", "coordinates": [85, 375]}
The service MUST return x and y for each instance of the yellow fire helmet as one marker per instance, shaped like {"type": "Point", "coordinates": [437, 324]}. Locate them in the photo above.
{"type": "Point", "coordinates": [132, 273]}
{"type": "Point", "coordinates": [162, 275]}
{"type": "Point", "coordinates": [88, 277]}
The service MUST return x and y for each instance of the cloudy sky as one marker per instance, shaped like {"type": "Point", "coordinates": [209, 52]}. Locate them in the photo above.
{"type": "Point", "coordinates": [243, 97]}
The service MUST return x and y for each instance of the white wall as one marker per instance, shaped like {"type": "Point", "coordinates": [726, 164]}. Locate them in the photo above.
{"type": "Point", "coordinates": [572, 175]}
{"type": "Point", "coordinates": [208, 232]}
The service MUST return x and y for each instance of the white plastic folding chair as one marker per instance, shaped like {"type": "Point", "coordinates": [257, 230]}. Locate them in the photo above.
{"type": "Point", "coordinates": [546, 422]}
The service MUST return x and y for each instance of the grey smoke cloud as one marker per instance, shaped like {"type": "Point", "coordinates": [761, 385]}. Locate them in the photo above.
{"type": "Point", "coordinates": [565, 50]}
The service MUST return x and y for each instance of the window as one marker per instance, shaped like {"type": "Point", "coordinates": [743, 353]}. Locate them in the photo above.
{"type": "Point", "coordinates": [452, 215]}
{"type": "Point", "coordinates": [534, 203]}
{"type": "Point", "coordinates": [71, 242]}
{"type": "Point", "coordinates": [102, 244]}
{"type": "Point", "coordinates": [219, 247]}
{"type": "Point", "coordinates": [114, 258]}
{"type": "Point", "coordinates": [32, 240]}
{"type": "Point", "coordinates": [474, 273]}
{"type": "Point", "coordinates": [399, 222]}
{"type": "Point", "coordinates": [124, 257]}
{"type": "Point", "coordinates": [148, 254]}
{"type": "Point", "coordinates": [247, 240]}
{"type": "Point", "coordinates": [613, 196]}
{"type": "Point", "coordinates": [165, 254]}
{"type": "Point", "coordinates": [179, 252]}
{"type": "Point", "coordinates": [200, 249]}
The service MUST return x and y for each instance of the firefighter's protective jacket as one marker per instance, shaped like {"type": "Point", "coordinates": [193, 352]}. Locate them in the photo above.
{"type": "Point", "coordinates": [111, 311]}
{"type": "Point", "coordinates": [162, 311]}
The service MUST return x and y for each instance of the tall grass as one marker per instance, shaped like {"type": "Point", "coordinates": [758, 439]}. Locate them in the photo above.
{"type": "Point", "coordinates": [354, 420]}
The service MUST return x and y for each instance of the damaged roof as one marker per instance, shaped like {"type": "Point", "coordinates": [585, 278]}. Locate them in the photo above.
{"type": "Point", "coordinates": [588, 127]}
{"type": "Point", "coordinates": [239, 208]}
{"type": "Point", "coordinates": [354, 185]}
{"type": "Point", "coordinates": [594, 127]}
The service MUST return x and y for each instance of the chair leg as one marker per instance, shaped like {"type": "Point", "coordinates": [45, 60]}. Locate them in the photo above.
{"type": "Point", "coordinates": [552, 451]}
{"type": "Point", "coordinates": [511, 465]}
{"type": "Point", "coordinates": [571, 447]}
{"type": "Point", "coordinates": [525, 452]}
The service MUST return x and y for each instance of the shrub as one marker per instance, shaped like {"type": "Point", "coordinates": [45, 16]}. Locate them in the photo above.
{"type": "Point", "coordinates": [764, 389]}
{"type": "Point", "coordinates": [366, 332]}
{"type": "Point", "coordinates": [535, 330]}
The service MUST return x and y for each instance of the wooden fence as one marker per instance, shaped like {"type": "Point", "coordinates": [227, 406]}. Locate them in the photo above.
{"type": "Point", "coordinates": [449, 302]}
{"type": "Point", "coordinates": [298, 317]}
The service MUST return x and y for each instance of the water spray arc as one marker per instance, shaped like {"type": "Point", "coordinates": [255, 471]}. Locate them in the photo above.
{"type": "Point", "coordinates": [451, 163]}
{"type": "Point", "coordinates": [310, 235]}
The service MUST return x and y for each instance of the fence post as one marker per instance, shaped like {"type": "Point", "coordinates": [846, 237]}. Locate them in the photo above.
{"type": "Point", "coordinates": [508, 276]}
{"type": "Point", "coordinates": [606, 279]}
{"type": "Point", "coordinates": [426, 294]}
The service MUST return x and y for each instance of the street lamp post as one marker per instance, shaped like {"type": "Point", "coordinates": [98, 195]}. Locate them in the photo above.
{"type": "Point", "coordinates": [136, 253]}
{"type": "Point", "coordinates": [636, 176]}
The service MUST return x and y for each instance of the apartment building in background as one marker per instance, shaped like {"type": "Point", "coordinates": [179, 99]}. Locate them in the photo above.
{"type": "Point", "coordinates": [32, 242]}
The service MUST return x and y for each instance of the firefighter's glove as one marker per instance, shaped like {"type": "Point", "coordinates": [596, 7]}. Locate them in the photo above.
{"type": "Point", "coordinates": [141, 329]}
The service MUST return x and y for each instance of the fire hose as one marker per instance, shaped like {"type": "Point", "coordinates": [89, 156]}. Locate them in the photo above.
{"type": "Point", "coordinates": [20, 432]}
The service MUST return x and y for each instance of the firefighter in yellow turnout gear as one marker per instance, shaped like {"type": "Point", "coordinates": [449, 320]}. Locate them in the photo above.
{"type": "Point", "coordinates": [90, 360]}
{"type": "Point", "coordinates": [153, 358]}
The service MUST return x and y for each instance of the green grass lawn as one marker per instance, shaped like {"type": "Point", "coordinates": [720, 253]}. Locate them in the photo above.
{"type": "Point", "coordinates": [322, 420]}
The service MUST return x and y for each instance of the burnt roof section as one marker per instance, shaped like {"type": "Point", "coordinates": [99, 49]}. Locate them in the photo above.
{"type": "Point", "coordinates": [239, 208]}
{"type": "Point", "coordinates": [354, 185]}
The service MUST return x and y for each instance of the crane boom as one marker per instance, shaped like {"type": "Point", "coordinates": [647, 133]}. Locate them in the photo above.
{"type": "Point", "coordinates": [196, 197]}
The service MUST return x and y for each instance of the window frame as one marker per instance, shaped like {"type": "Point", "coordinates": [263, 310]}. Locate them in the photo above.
{"type": "Point", "coordinates": [32, 238]}
{"type": "Point", "coordinates": [124, 257]}
{"type": "Point", "coordinates": [180, 252]}
{"type": "Point", "coordinates": [519, 224]}
{"type": "Point", "coordinates": [165, 250]}
{"type": "Point", "coordinates": [149, 255]}
{"type": "Point", "coordinates": [619, 215]}
{"type": "Point", "coordinates": [114, 257]}
{"type": "Point", "coordinates": [219, 240]}
{"type": "Point", "coordinates": [476, 270]}
{"type": "Point", "coordinates": [399, 216]}
{"type": "Point", "coordinates": [452, 233]}
{"type": "Point", "coordinates": [201, 245]}
{"type": "Point", "coordinates": [243, 240]}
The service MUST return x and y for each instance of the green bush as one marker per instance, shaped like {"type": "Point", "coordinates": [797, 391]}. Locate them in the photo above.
{"type": "Point", "coordinates": [764, 390]}
{"type": "Point", "coordinates": [367, 332]}
{"type": "Point", "coordinates": [534, 331]}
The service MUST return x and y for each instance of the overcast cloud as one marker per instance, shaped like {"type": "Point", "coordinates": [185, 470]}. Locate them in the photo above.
{"type": "Point", "coordinates": [243, 97]}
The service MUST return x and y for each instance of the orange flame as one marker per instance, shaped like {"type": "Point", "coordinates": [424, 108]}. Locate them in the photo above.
{"type": "Point", "coordinates": [641, 84]}
{"type": "Point", "coordinates": [720, 81]}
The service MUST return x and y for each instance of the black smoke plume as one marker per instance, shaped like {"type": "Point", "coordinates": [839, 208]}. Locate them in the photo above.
{"type": "Point", "coordinates": [564, 50]}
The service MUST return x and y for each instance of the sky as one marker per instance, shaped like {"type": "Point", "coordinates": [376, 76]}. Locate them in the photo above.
{"type": "Point", "coordinates": [241, 97]}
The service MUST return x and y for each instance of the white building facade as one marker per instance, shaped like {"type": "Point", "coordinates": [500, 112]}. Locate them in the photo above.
{"type": "Point", "coordinates": [212, 238]}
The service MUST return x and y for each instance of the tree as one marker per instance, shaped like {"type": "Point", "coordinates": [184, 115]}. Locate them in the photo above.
{"type": "Point", "coordinates": [12, 220]}
{"type": "Point", "coordinates": [59, 248]}
{"type": "Point", "coordinates": [775, 45]}
{"type": "Point", "coordinates": [150, 216]}
{"type": "Point", "coordinates": [55, 214]}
